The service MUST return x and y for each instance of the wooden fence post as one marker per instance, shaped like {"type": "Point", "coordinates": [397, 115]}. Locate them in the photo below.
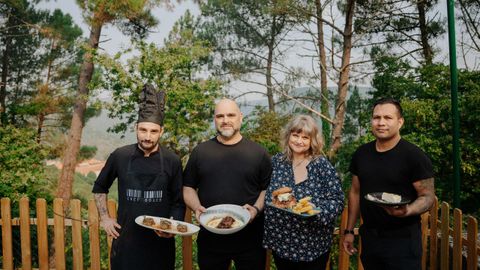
{"type": "Point", "coordinates": [42, 231]}
{"type": "Point", "coordinates": [25, 234]}
{"type": "Point", "coordinates": [94, 228]}
{"type": "Point", "coordinates": [472, 229]}
{"type": "Point", "coordinates": [7, 253]}
{"type": "Point", "coordinates": [457, 239]}
{"type": "Point", "coordinates": [343, 257]}
{"type": "Point", "coordinates": [433, 234]}
{"type": "Point", "coordinates": [187, 245]}
{"type": "Point", "coordinates": [77, 234]}
{"type": "Point", "coordinates": [445, 240]}
{"type": "Point", "coordinates": [59, 233]}
{"type": "Point", "coordinates": [112, 212]}
{"type": "Point", "coordinates": [424, 223]}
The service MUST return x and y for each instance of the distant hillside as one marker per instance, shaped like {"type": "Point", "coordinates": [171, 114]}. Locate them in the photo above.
{"type": "Point", "coordinates": [95, 134]}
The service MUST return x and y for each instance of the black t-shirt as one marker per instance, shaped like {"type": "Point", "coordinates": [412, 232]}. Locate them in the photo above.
{"type": "Point", "coordinates": [229, 174]}
{"type": "Point", "coordinates": [392, 171]}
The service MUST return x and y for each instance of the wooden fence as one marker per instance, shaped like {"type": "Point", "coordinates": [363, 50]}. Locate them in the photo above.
{"type": "Point", "coordinates": [445, 247]}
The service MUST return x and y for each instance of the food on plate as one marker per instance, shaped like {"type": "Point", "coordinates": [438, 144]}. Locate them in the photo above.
{"type": "Point", "coordinates": [305, 206]}
{"type": "Point", "coordinates": [148, 221]}
{"type": "Point", "coordinates": [225, 222]}
{"type": "Point", "coordinates": [182, 228]}
{"type": "Point", "coordinates": [283, 198]}
{"type": "Point", "coordinates": [165, 225]}
{"type": "Point", "coordinates": [391, 198]}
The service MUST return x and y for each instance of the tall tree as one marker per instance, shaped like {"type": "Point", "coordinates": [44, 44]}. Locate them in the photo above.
{"type": "Point", "coordinates": [97, 14]}
{"type": "Point", "coordinates": [175, 68]}
{"type": "Point", "coordinates": [470, 37]}
{"type": "Point", "coordinates": [343, 80]}
{"type": "Point", "coordinates": [18, 43]}
{"type": "Point", "coordinates": [248, 36]}
{"type": "Point", "coordinates": [405, 28]}
{"type": "Point", "coordinates": [61, 58]}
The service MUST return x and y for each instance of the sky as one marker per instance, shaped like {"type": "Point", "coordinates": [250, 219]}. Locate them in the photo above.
{"type": "Point", "coordinates": [112, 40]}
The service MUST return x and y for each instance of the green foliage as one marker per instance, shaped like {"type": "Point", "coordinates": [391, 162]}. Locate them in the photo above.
{"type": "Point", "coordinates": [399, 28]}
{"type": "Point", "coordinates": [39, 62]}
{"type": "Point", "coordinates": [246, 36]}
{"type": "Point", "coordinates": [357, 117]}
{"type": "Point", "coordinates": [21, 165]}
{"type": "Point", "coordinates": [428, 124]}
{"type": "Point", "coordinates": [264, 127]}
{"type": "Point", "coordinates": [86, 152]}
{"type": "Point", "coordinates": [175, 69]}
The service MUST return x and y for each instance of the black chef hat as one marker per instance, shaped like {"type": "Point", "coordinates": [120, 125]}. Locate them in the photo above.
{"type": "Point", "coordinates": [151, 105]}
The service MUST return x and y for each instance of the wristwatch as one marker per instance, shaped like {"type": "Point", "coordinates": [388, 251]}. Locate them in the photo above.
{"type": "Point", "coordinates": [346, 231]}
{"type": "Point", "coordinates": [256, 208]}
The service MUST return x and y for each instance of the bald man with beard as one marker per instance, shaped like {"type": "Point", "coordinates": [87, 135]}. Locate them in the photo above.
{"type": "Point", "coordinates": [229, 169]}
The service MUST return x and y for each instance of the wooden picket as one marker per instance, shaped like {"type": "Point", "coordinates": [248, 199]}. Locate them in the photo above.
{"type": "Point", "coordinates": [445, 236]}
{"type": "Point", "coordinates": [7, 253]}
{"type": "Point", "coordinates": [435, 233]}
{"type": "Point", "coordinates": [42, 237]}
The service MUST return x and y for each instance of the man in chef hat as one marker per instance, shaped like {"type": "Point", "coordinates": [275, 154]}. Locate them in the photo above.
{"type": "Point", "coordinates": [149, 183]}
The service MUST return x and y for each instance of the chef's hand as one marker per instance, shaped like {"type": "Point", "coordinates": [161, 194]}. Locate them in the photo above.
{"type": "Point", "coordinates": [397, 211]}
{"type": "Point", "coordinates": [200, 210]}
{"type": "Point", "coordinates": [348, 244]}
{"type": "Point", "coordinates": [164, 234]}
{"type": "Point", "coordinates": [110, 226]}
{"type": "Point", "coordinates": [253, 211]}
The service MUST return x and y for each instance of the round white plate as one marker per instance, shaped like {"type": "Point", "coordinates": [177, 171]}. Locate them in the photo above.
{"type": "Point", "coordinates": [376, 197]}
{"type": "Point", "coordinates": [191, 228]}
{"type": "Point", "coordinates": [221, 210]}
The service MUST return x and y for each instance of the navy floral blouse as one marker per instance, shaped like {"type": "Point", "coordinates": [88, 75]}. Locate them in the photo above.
{"type": "Point", "coordinates": [298, 238]}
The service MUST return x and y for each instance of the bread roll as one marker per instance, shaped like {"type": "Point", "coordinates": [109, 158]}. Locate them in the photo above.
{"type": "Point", "coordinates": [281, 190]}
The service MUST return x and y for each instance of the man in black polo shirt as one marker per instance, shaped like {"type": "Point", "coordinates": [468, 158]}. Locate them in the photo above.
{"type": "Point", "coordinates": [149, 183]}
{"type": "Point", "coordinates": [229, 169]}
{"type": "Point", "coordinates": [391, 236]}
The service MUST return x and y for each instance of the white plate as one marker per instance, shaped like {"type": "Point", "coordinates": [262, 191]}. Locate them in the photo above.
{"type": "Point", "coordinates": [221, 210]}
{"type": "Point", "coordinates": [376, 197]}
{"type": "Point", "coordinates": [191, 228]}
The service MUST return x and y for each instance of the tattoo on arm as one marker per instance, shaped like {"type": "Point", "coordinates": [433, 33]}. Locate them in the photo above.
{"type": "Point", "coordinates": [101, 202]}
{"type": "Point", "coordinates": [426, 195]}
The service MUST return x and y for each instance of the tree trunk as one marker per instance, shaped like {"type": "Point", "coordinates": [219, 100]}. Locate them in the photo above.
{"type": "Point", "coordinates": [343, 81]}
{"type": "Point", "coordinates": [268, 76]}
{"type": "Point", "coordinates": [43, 94]}
{"type": "Point", "coordinates": [323, 72]}
{"type": "Point", "coordinates": [3, 83]}
{"type": "Point", "coordinates": [64, 189]}
{"type": "Point", "coordinates": [426, 48]}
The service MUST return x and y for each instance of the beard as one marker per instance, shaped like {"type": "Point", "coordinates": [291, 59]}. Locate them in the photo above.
{"type": "Point", "coordinates": [147, 145]}
{"type": "Point", "coordinates": [227, 133]}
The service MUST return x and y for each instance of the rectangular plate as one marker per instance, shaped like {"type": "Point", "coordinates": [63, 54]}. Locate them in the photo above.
{"type": "Point", "coordinates": [191, 228]}
{"type": "Point", "coordinates": [305, 215]}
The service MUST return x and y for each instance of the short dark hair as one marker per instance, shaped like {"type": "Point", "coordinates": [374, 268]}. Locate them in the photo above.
{"type": "Point", "coordinates": [392, 101]}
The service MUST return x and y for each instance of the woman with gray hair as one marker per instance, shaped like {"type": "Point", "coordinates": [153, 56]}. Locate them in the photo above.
{"type": "Point", "coordinates": [302, 241]}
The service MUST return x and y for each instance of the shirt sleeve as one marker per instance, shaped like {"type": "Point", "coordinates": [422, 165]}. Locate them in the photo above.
{"type": "Point", "coordinates": [265, 171]}
{"type": "Point", "coordinates": [422, 167]}
{"type": "Point", "coordinates": [177, 206]}
{"type": "Point", "coordinates": [331, 203]}
{"type": "Point", "coordinates": [190, 174]}
{"type": "Point", "coordinates": [107, 175]}
{"type": "Point", "coordinates": [353, 164]}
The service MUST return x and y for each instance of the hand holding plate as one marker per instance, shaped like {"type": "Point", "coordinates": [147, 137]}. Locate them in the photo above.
{"type": "Point", "coordinates": [397, 210]}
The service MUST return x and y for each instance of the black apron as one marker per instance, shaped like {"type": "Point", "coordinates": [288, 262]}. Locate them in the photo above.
{"type": "Point", "coordinates": [142, 193]}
